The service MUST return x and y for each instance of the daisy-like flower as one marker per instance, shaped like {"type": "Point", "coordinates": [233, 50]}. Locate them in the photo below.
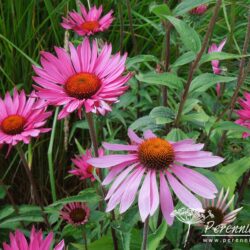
{"type": "Point", "coordinates": [216, 63]}
{"type": "Point", "coordinates": [36, 242]}
{"type": "Point", "coordinates": [244, 113]}
{"type": "Point", "coordinates": [88, 22]}
{"type": "Point", "coordinates": [75, 213]}
{"type": "Point", "coordinates": [216, 210]}
{"type": "Point", "coordinates": [199, 10]}
{"type": "Point", "coordinates": [21, 118]}
{"type": "Point", "coordinates": [153, 158]}
{"type": "Point", "coordinates": [83, 169]}
{"type": "Point", "coordinates": [85, 77]}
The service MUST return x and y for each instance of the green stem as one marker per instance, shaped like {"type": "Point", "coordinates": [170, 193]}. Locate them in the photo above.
{"type": "Point", "coordinates": [145, 234]}
{"type": "Point", "coordinates": [89, 4]}
{"type": "Point", "coordinates": [85, 239]}
{"type": "Point", "coordinates": [50, 158]}
{"type": "Point", "coordinates": [92, 132]}
{"type": "Point", "coordinates": [34, 194]}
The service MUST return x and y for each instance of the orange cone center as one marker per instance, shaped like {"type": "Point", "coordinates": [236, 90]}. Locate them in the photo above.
{"type": "Point", "coordinates": [82, 85]}
{"type": "Point", "coordinates": [156, 153]}
{"type": "Point", "coordinates": [13, 124]}
{"type": "Point", "coordinates": [90, 25]}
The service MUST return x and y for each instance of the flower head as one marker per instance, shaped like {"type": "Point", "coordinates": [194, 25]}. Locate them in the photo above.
{"type": "Point", "coordinates": [75, 213]}
{"type": "Point", "coordinates": [199, 10]}
{"type": "Point", "coordinates": [86, 77]}
{"type": "Point", "coordinates": [21, 118]}
{"type": "Point", "coordinates": [36, 242]}
{"type": "Point", "coordinates": [83, 169]}
{"type": "Point", "coordinates": [216, 63]}
{"type": "Point", "coordinates": [88, 22]}
{"type": "Point", "coordinates": [244, 113]}
{"type": "Point", "coordinates": [216, 211]}
{"type": "Point", "coordinates": [154, 157]}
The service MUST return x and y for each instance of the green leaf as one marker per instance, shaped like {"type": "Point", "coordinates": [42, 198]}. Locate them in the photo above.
{"type": "Point", "coordinates": [229, 174]}
{"type": "Point", "coordinates": [6, 211]}
{"type": "Point", "coordinates": [219, 56]}
{"type": "Point", "coordinates": [165, 79]}
{"type": "Point", "coordinates": [189, 105]}
{"type": "Point", "coordinates": [87, 195]}
{"type": "Point", "coordinates": [187, 5]}
{"type": "Point", "coordinates": [142, 122]}
{"type": "Point", "coordinates": [188, 35]}
{"type": "Point", "coordinates": [162, 115]}
{"type": "Point", "coordinates": [140, 59]}
{"type": "Point", "coordinates": [155, 238]}
{"type": "Point", "coordinates": [176, 134]}
{"type": "Point", "coordinates": [227, 125]}
{"type": "Point", "coordinates": [203, 82]}
{"type": "Point", "coordinates": [2, 191]}
{"type": "Point", "coordinates": [184, 59]}
{"type": "Point", "coordinates": [104, 242]}
{"type": "Point", "coordinates": [160, 10]}
{"type": "Point", "coordinates": [199, 118]}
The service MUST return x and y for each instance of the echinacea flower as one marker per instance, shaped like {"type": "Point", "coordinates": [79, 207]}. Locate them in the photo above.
{"type": "Point", "coordinates": [36, 242]}
{"type": "Point", "coordinates": [216, 211]}
{"type": "Point", "coordinates": [153, 158]}
{"type": "Point", "coordinates": [75, 213]}
{"type": "Point", "coordinates": [21, 118]}
{"type": "Point", "coordinates": [244, 113]}
{"type": "Point", "coordinates": [88, 22]}
{"type": "Point", "coordinates": [86, 77]}
{"type": "Point", "coordinates": [82, 168]}
{"type": "Point", "coordinates": [199, 10]}
{"type": "Point", "coordinates": [216, 63]}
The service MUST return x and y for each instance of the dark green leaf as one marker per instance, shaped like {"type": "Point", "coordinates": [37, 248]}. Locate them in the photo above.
{"type": "Point", "coordinates": [203, 82]}
{"type": "Point", "coordinates": [187, 5]}
{"type": "Point", "coordinates": [165, 79]}
{"type": "Point", "coordinates": [188, 35]}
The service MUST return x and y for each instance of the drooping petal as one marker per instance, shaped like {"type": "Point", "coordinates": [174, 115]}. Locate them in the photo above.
{"type": "Point", "coordinates": [185, 196]}
{"type": "Point", "coordinates": [166, 201]}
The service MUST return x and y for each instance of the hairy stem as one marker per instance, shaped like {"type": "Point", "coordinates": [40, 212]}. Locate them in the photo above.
{"type": "Point", "coordinates": [195, 64]}
{"type": "Point", "coordinates": [131, 27]}
{"type": "Point", "coordinates": [121, 25]}
{"type": "Point", "coordinates": [145, 234]}
{"type": "Point", "coordinates": [240, 80]}
{"type": "Point", "coordinates": [36, 197]}
{"type": "Point", "coordinates": [92, 132]}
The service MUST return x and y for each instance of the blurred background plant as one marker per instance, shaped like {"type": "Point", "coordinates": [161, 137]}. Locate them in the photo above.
{"type": "Point", "coordinates": [28, 27]}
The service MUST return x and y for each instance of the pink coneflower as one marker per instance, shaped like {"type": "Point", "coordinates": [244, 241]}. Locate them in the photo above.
{"type": "Point", "coordinates": [36, 242]}
{"type": "Point", "coordinates": [75, 213]}
{"type": "Point", "coordinates": [85, 77]}
{"type": "Point", "coordinates": [216, 210]}
{"type": "Point", "coordinates": [21, 118]}
{"type": "Point", "coordinates": [244, 113]}
{"type": "Point", "coordinates": [199, 10]}
{"type": "Point", "coordinates": [216, 63]}
{"type": "Point", "coordinates": [155, 157]}
{"type": "Point", "coordinates": [88, 22]}
{"type": "Point", "coordinates": [83, 169]}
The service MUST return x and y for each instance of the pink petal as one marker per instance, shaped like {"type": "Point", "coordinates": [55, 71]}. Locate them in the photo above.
{"type": "Point", "coordinates": [166, 201]}
{"type": "Point", "coordinates": [119, 147]}
{"type": "Point", "coordinates": [196, 182]}
{"type": "Point", "coordinates": [203, 162]}
{"type": "Point", "coordinates": [144, 198]}
{"type": "Point", "coordinates": [108, 161]}
{"type": "Point", "coordinates": [133, 137]}
{"type": "Point", "coordinates": [154, 194]}
{"type": "Point", "coordinates": [131, 190]}
{"type": "Point", "coordinates": [185, 196]}
{"type": "Point", "coordinates": [149, 134]}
